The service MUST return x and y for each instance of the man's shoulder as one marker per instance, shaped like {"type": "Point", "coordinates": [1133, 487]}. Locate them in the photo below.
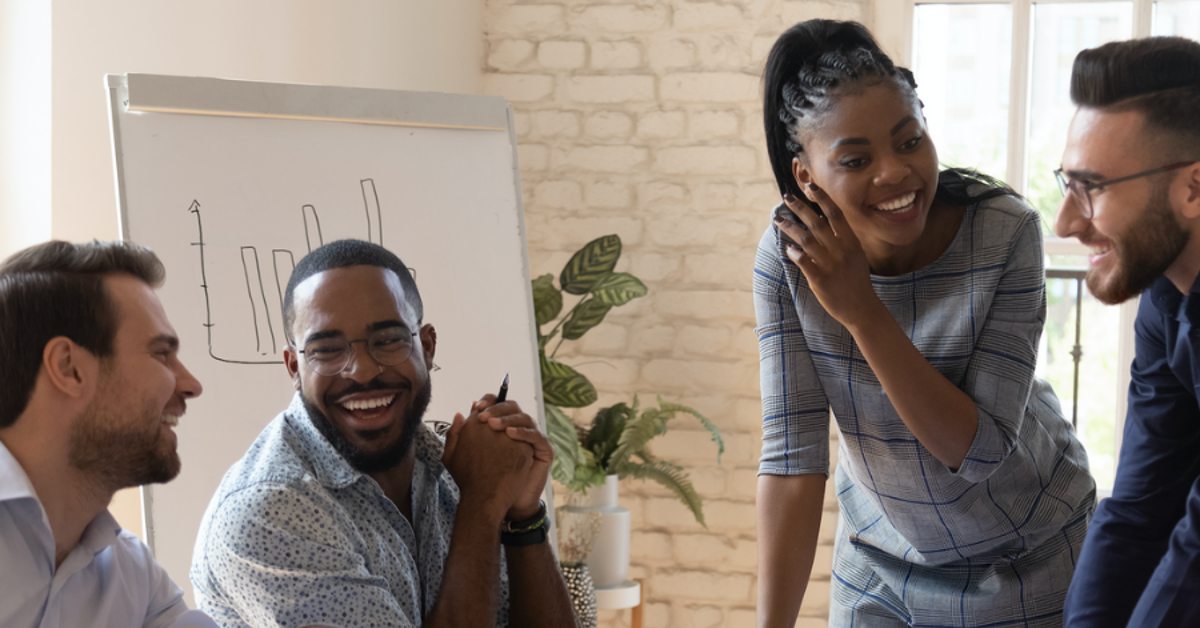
{"type": "Point", "coordinates": [276, 470]}
{"type": "Point", "coordinates": [125, 559]}
{"type": "Point", "coordinates": [272, 458]}
{"type": "Point", "coordinates": [129, 563]}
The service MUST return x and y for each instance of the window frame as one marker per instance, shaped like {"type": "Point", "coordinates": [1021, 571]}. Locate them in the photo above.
{"type": "Point", "coordinates": [893, 23]}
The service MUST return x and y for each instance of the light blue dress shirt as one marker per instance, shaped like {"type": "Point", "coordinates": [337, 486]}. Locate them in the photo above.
{"type": "Point", "coordinates": [109, 579]}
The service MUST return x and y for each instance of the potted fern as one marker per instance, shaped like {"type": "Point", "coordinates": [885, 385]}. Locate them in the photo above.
{"type": "Point", "coordinates": [590, 459]}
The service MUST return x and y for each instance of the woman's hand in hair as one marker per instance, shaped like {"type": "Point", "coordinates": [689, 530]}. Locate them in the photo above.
{"type": "Point", "coordinates": [829, 254]}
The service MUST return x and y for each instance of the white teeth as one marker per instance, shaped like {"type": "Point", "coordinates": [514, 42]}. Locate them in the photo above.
{"type": "Point", "coordinates": [368, 404]}
{"type": "Point", "coordinates": [899, 203]}
{"type": "Point", "coordinates": [171, 419]}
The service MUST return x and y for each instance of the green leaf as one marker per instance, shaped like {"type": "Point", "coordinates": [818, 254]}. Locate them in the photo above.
{"type": "Point", "coordinates": [670, 475]}
{"type": "Point", "coordinates": [587, 473]}
{"type": "Point", "coordinates": [583, 317]}
{"type": "Point", "coordinates": [651, 423]}
{"type": "Point", "coordinates": [618, 289]}
{"type": "Point", "coordinates": [563, 439]}
{"type": "Point", "coordinates": [638, 432]}
{"type": "Point", "coordinates": [565, 387]}
{"type": "Point", "coordinates": [547, 300]}
{"type": "Point", "coordinates": [590, 264]}
{"type": "Point", "coordinates": [605, 434]}
{"type": "Point", "coordinates": [713, 430]}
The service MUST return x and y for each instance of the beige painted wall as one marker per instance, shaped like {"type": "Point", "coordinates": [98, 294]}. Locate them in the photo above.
{"type": "Point", "coordinates": [643, 119]}
{"type": "Point", "coordinates": [431, 46]}
{"type": "Point", "coordinates": [24, 123]}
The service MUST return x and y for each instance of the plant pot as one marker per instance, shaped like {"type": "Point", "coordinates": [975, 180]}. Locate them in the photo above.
{"type": "Point", "coordinates": [609, 558]}
{"type": "Point", "coordinates": [582, 592]}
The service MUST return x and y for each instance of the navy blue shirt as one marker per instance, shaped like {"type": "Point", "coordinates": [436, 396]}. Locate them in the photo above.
{"type": "Point", "coordinates": [1140, 564]}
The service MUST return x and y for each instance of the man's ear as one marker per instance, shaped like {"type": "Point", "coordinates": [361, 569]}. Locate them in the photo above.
{"type": "Point", "coordinates": [291, 361]}
{"type": "Point", "coordinates": [803, 177]}
{"type": "Point", "coordinates": [69, 368]}
{"type": "Point", "coordinates": [1188, 192]}
{"type": "Point", "coordinates": [428, 343]}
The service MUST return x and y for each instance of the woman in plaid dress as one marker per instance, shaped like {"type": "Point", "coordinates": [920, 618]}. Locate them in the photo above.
{"type": "Point", "coordinates": [908, 303]}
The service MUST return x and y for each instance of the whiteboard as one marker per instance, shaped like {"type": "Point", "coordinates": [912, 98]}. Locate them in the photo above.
{"type": "Point", "coordinates": [231, 182]}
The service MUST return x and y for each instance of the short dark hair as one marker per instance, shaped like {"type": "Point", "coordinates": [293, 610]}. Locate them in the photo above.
{"type": "Point", "coordinates": [806, 65]}
{"type": "Point", "coordinates": [343, 253]}
{"type": "Point", "coordinates": [57, 289]}
{"type": "Point", "coordinates": [1156, 76]}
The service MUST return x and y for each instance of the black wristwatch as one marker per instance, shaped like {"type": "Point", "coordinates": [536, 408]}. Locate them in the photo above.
{"type": "Point", "coordinates": [529, 531]}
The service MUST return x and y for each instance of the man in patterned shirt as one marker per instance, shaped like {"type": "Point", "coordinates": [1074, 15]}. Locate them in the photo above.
{"type": "Point", "coordinates": [347, 510]}
{"type": "Point", "coordinates": [1131, 179]}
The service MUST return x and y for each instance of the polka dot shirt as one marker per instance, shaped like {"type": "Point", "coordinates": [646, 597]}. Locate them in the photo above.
{"type": "Point", "coordinates": [296, 536]}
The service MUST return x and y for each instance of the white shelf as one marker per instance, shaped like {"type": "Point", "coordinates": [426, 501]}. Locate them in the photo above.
{"type": "Point", "coordinates": [627, 595]}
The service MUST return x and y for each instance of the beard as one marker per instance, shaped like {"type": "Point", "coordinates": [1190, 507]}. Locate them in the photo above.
{"type": "Point", "coordinates": [1143, 254]}
{"type": "Point", "coordinates": [392, 454]}
{"type": "Point", "coordinates": [121, 455]}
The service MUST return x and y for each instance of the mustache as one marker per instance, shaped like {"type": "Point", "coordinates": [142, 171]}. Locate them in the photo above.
{"type": "Point", "coordinates": [375, 384]}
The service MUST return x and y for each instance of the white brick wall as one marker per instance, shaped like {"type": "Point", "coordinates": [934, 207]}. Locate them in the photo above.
{"type": "Point", "coordinates": [641, 117]}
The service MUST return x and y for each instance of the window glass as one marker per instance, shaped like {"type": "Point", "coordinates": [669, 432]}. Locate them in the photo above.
{"type": "Point", "coordinates": [961, 57]}
{"type": "Point", "coordinates": [1177, 17]}
{"type": "Point", "coordinates": [1092, 403]}
{"type": "Point", "coordinates": [1060, 31]}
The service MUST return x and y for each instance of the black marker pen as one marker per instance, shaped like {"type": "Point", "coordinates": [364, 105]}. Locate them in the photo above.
{"type": "Point", "coordinates": [503, 394]}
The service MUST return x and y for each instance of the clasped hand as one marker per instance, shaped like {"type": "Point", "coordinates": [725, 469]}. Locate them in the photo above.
{"type": "Point", "coordinates": [496, 454]}
{"type": "Point", "coordinates": [828, 252]}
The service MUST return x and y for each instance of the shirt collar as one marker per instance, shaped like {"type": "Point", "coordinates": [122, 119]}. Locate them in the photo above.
{"type": "Point", "coordinates": [100, 533]}
{"type": "Point", "coordinates": [14, 483]}
{"type": "Point", "coordinates": [331, 469]}
{"type": "Point", "coordinates": [1170, 302]}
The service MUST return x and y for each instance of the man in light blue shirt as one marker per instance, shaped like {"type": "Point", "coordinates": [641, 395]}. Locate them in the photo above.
{"type": "Point", "coordinates": [92, 388]}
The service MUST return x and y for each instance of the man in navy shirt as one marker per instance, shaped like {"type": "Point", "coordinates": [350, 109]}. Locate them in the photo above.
{"type": "Point", "coordinates": [1131, 179]}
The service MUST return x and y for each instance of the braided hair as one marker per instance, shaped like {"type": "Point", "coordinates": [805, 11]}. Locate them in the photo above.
{"type": "Point", "coordinates": [809, 65]}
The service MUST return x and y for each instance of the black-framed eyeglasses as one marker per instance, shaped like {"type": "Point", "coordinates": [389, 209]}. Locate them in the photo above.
{"type": "Point", "coordinates": [1083, 189]}
{"type": "Point", "coordinates": [389, 346]}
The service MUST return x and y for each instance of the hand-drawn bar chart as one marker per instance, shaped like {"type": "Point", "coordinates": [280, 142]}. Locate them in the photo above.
{"type": "Point", "coordinates": [254, 309]}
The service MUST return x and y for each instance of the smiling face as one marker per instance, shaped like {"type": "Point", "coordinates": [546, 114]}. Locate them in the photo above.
{"type": "Point", "coordinates": [1134, 235]}
{"type": "Point", "coordinates": [871, 153]}
{"type": "Point", "coordinates": [126, 434]}
{"type": "Point", "coordinates": [369, 412]}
